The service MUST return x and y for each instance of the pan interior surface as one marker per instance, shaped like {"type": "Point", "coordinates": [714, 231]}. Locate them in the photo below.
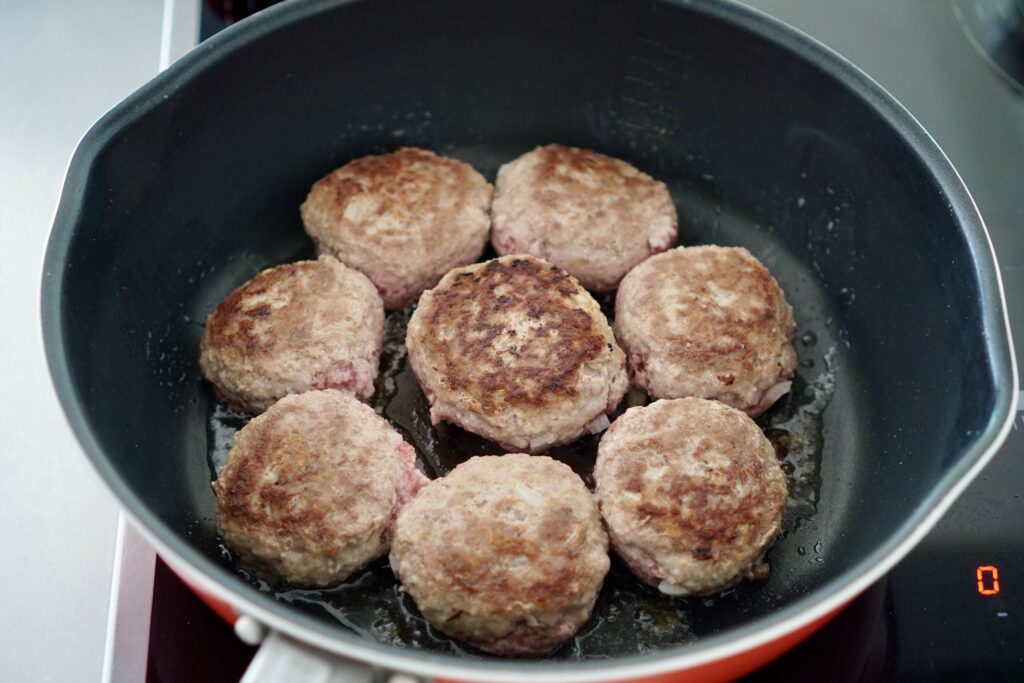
{"type": "Point", "coordinates": [192, 186]}
{"type": "Point", "coordinates": [629, 617]}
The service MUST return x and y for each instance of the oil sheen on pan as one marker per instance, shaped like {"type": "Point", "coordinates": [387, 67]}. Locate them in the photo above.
{"type": "Point", "coordinates": [629, 618]}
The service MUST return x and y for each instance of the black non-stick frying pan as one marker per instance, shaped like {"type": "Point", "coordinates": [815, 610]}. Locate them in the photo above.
{"type": "Point", "coordinates": [765, 138]}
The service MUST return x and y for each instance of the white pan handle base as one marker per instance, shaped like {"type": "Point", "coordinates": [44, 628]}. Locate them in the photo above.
{"type": "Point", "coordinates": [283, 660]}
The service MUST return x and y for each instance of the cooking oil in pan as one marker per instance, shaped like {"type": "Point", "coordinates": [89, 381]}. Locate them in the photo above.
{"type": "Point", "coordinates": [629, 618]}
{"type": "Point", "coordinates": [221, 428]}
{"type": "Point", "coordinates": [795, 429]}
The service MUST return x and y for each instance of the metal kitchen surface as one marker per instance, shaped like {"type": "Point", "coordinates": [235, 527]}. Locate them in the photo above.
{"type": "Point", "coordinates": [952, 609]}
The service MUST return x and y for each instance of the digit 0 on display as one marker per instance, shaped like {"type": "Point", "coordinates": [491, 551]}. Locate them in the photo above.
{"type": "Point", "coordinates": [988, 580]}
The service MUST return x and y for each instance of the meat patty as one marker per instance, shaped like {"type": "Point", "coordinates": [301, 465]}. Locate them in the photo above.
{"type": "Point", "coordinates": [403, 219]}
{"type": "Point", "coordinates": [515, 350]}
{"type": "Point", "coordinates": [692, 494]}
{"type": "Point", "coordinates": [300, 326]}
{"type": "Point", "coordinates": [506, 553]}
{"type": "Point", "coordinates": [311, 488]}
{"type": "Point", "coordinates": [593, 215]}
{"type": "Point", "coordinates": [710, 322]}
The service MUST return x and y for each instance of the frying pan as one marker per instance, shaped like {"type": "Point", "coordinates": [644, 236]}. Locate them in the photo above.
{"type": "Point", "coordinates": [767, 139]}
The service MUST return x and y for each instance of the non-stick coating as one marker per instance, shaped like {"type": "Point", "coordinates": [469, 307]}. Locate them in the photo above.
{"type": "Point", "coordinates": [192, 186]}
{"type": "Point", "coordinates": [629, 617]}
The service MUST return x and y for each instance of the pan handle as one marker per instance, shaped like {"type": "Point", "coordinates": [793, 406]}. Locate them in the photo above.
{"type": "Point", "coordinates": [281, 659]}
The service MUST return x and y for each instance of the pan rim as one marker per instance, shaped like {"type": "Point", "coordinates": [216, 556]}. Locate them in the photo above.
{"type": "Point", "coordinates": [803, 611]}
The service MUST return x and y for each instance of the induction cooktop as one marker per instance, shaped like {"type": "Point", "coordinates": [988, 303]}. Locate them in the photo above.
{"type": "Point", "coordinates": [952, 610]}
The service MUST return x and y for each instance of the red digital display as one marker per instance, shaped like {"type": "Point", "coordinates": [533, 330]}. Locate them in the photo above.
{"type": "Point", "coordinates": [988, 580]}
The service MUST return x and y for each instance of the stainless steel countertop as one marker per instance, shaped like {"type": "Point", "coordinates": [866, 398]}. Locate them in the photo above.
{"type": "Point", "coordinates": [65, 64]}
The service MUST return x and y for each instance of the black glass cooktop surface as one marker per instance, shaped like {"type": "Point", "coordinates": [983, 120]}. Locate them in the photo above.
{"type": "Point", "coordinates": [952, 609]}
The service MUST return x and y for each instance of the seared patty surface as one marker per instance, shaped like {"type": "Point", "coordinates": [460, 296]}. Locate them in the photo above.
{"type": "Point", "coordinates": [514, 349]}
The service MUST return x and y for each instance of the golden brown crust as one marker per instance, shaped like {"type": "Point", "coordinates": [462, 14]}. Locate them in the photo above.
{"type": "Point", "coordinates": [691, 491]}
{"type": "Point", "coordinates": [294, 327]}
{"type": "Point", "coordinates": [515, 350]}
{"type": "Point", "coordinates": [311, 487]}
{"type": "Point", "coordinates": [478, 304]}
{"type": "Point", "coordinates": [569, 165]}
{"type": "Point", "coordinates": [403, 219]}
{"type": "Point", "coordinates": [247, 495]}
{"type": "Point", "coordinates": [386, 174]}
{"type": "Point", "coordinates": [707, 321]}
{"type": "Point", "coordinates": [594, 215]}
{"type": "Point", "coordinates": [506, 552]}
{"type": "Point", "coordinates": [247, 322]}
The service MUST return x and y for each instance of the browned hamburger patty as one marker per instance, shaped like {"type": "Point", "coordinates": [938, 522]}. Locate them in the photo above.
{"type": "Point", "coordinates": [311, 488]}
{"type": "Point", "coordinates": [692, 494]}
{"type": "Point", "coordinates": [506, 553]}
{"type": "Point", "coordinates": [299, 326]}
{"type": "Point", "coordinates": [403, 219]}
{"type": "Point", "coordinates": [591, 214]}
{"type": "Point", "coordinates": [515, 350]}
{"type": "Point", "coordinates": [710, 322]}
